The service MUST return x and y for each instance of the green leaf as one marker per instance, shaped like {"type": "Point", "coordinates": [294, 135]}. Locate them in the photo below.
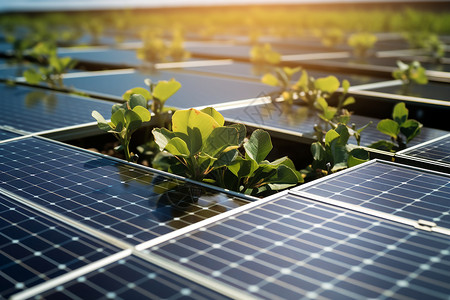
{"type": "Point", "coordinates": [330, 136]}
{"type": "Point", "coordinates": [242, 131]}
{"type": "Point", "coordinates": [162, 137]}
{"type": "Point", "coordinates": [345, 85]}
{"type": "Point", "coordinates": [241, 167]}
{"type": "Point", "coordinates": [357, 156]}
{"type": "Point", "coordinates": [420, 76]}
{"type": "Point", "coordinates": [321, 104]}
{"type": "Point", "coordinates": [133, 121]}
{"type": "Point", "coordinates": [178, 147]}
{"type": "Point", "coordinates": [143, 113]}
{"type": "Point", "coordinates": [327, 84]}
{"type": "Point", "coordinates": [32, 76]}
{"type": "Point", "coordinates": [215, 114]}
{"type": "Point", "coordinates": [258, 146]}
{"type": "Point", "coordinates": [318, 151]}
{"type": "Point", "coordinates": [269, 79]}
{"type": "Point", "coordinates": [389, 127]}
{"type": "Point", "coordinates": [221, 139]}
{"type": "Point", "coordinates": [116, 107]}
{"type": "Point", "coordinates": [410, 129]}
{"type": "Point", "coordinates": [400, 113]}
{"type": "Point", "coordinates": [382, 145]}
{"type": "Point", "coordinates": [226, 158]}
{"type": "Point", "coordinates": [137, 100]}
{"type": "Point", "coordinates": [291, 71]}
{"type": "Point", "coordinates": [348, 101]}
{"type": "Point", "coordinates": [303, 81]}
{"type": "Point", "coordinates": [118, 116]}
{"type": "Point", "coordinates": [139, 91]}
{"type": "Point", "coordinates": [192, 118]}
{"type": "Point", "coordinates": [284, 178]}
{"type": "Point", "coordinates": [165, 89]}
{"type": "Point", "coordinates": [102, 124]}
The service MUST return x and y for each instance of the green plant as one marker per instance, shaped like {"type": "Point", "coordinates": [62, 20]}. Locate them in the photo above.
{"type": "Point", "coordinates": [264, 54]}
{"type": "Point", "coordinates": [202, 148]}
{"type": "Point", "coordinates": [435, 48]}
{"type": "Point", "coordinates": [176, 48]}
{"type": "Point", "coordinates": [126, 118]}
{"type": "Point", "coordinates": [332, 153]}
{"type": "Point", "coordinates": [361, 43]}
{"type": "Point", "coordinates": [410, 74]}
{"type": "Point", "coordinates": [331, 37]}
{"type": "Point", "coordinates": [400, 129]}
{"type": "Point", "coordinates": [154, 49]}
{"type": "Point", "coordinates": [51, 66]}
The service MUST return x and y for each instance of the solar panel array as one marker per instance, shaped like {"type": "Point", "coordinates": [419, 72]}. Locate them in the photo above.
{"type": "Point", "coordinates": [437, 150]}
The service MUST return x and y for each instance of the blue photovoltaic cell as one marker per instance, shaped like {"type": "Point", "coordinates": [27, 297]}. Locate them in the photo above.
{"type": "Point", "coordinates": [131, 278]}
{"type": "Point", "coordinates": [195, 90]}
{"type": "Point", "coordinates": [300, 119]}
{"type": "Point", "coordinates": [437, 151]}
{"type": "Point", "coordinates": [35, 248]}
{"type": "Point", "coordinates": [294, 248]}
{"type": "Point", "coordinates": [35, 110]}
{"type": "Point", "coordinates": [122, 200]}
{"type": "Point", "coordinates": [5, 135]}
{"type": "Point", "coordinates": [391, 188]}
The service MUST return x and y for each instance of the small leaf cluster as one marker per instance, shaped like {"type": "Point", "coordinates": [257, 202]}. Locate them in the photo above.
{"type": "Point", "coordinates": [126, 118]}
{"type": "Point", "coordinates": [156, 95]}
{"type": "Point", "coordinates": [410, 73]}
{"type": "Point", "coordinates": [202, 148]}
{"type": "Point", "coordinates": [331, 37]}
{"type": "Point", "coordinates": [400, 129]}
{"type": "Point", "coordinates": [155, 49]}
{"type": "Point", "coordinates": [333, 153]}
{"type": "Point", "coordinates": [361, 43]}
{"type": "Point", "coordinates": [51, 67]}
{"type": "Point", "coordinates": [264, 55]}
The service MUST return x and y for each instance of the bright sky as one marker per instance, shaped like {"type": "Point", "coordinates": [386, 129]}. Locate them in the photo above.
{"type": "Point", "coordinates": [48, 5]}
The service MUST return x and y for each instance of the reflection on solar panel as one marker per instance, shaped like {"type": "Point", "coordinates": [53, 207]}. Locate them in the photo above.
{"type": "Point", "coordinates": [294, 248]}
{"type": "Point", "coordinates": [35, 110]}
{"type": "Point", "coordinates": [127, 202]}
{"type": "Point", "coordinates": [5, 135]}
{"type": "Point", "coordinates": [131, 278]}
{"type": "Point", "coordinates": [435, 151]}
{"type": "Point", "coordinates": [213, 90]}
{"type": "Point", "coordinates": [390, 188]}
{"type": "Point", "coordinates": [35, 248]}
{"type": "Point", "coordinates": [300, 120]}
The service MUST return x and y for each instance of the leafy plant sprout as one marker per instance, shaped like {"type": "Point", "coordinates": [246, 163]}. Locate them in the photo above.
{"type": "Point", "coordinates": [400, 129]}
{"type": "Point", "coordinates": [361, 43]}
{"type": "Point", "coordinates": [409, 74]}
{"type": "Point", "coordinates": [264, 54]}
{"type": "Point", "coordinates": [126, 118]}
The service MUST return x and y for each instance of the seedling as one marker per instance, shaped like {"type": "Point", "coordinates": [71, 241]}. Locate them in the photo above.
{"type": "Point", "coordinates": [331, 37]}
{"type": "Point", "coordinates": [126, 118]}
{"type": "Point", "coordinates": [410, 74]}
{"type": "Point", "coordinates": [332, 154]}
{"type": "Point", "coordinates": [154, 49]}
{"type": "Point", "coordinates": [52, 67]}
{"type": "Point", "coordinates": [435, 48]}
{"type": "Point", "coordinates": [264, 54]}
{"type": "Point", "coordinates": [176, 49]}
{"type": "Point", "coordinates": [400, 129]}
{"type": "Point", "coordinates": [202, 148]}
{"type": "Point", "coordinates": [362, 43]}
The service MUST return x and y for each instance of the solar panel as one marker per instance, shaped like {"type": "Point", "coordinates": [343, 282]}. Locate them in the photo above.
{"type": "Point", "coordinates": [300, 120]}
{"type": "Point", "coordinates": [127, 202]}
{"type": "Point", "coordinates": [35, 248]}
{"type": "Point", "coordinates": [195, 90]}
{"type": "Point", "coordinates": [433, 90]}
{"type": "Point", "coordinates": [391, 188]}
{"type": "Point", "coordinates": [35, 110]}
{"type": "Point", "coordinates": [437, 150]}
{"type": "Point", "coordinates": [131, 278]}
{"type": "Point", "coordinates": [290, 247]}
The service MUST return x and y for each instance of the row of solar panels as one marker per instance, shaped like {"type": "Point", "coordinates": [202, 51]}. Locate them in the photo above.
{"type": "Point", "coordinates": [75, 224]}
{"type": "Point", "coordinates": [78, 224]}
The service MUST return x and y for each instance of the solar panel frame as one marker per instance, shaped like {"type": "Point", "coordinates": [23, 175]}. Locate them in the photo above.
{"type": "Point", "coordinates": [258, 253]}
{"type": "Point", "coordinates": [385, 196]}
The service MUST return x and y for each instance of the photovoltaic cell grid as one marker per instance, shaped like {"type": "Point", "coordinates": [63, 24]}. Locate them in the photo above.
{"type": "Point", "coordinates": [35, 248]}
{"type": "Point", "coordinates": [6, 135]}
{"type": "Point", "coordinates": [294, 248]}
{"type": "Point", "coordinates": [131, 278]}
{"type": "Point", "coordinates": [390, 188]}
{"type": "Point", "coordinates": [437, 151]}
{"type": "Point", "coordinates": [299, 119]}
{"type": "Point", "coordinates": [34, 110]}
{"type": "Point", "coordinates": [129, 203]}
